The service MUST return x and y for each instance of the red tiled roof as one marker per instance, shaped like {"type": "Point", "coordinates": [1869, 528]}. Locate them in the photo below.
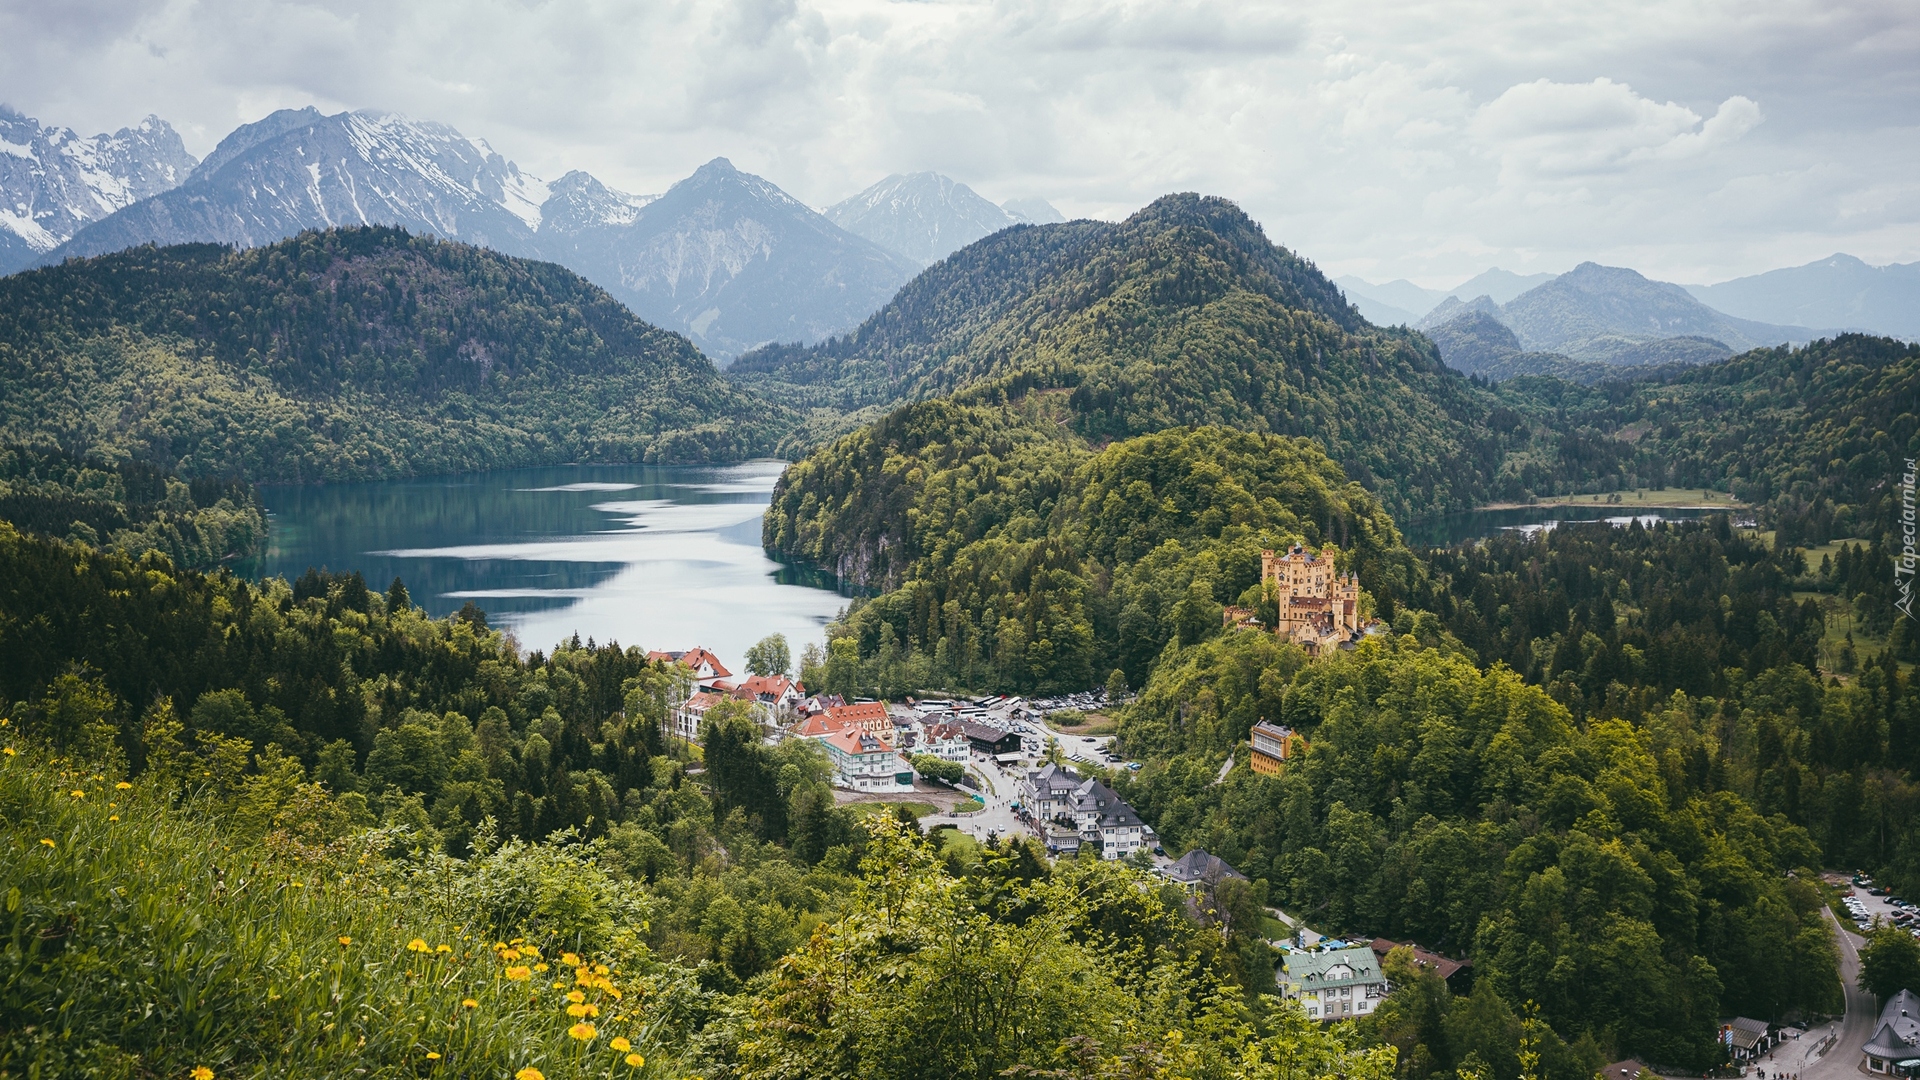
{"type": "Point", "coordinates": [774, 686]}
{"type": "Point", "coordinates": [697, 655]}
{"type": "Point", "coordinates": [703, 701]}
{"type": "Point", "coordinates": [848, 740]}
{"type": "Point", "coordinates": [1440, 965]}
{"type": "Point", "coordinates": [820, 724]}
{"type": "Point", "coordinates": [865, 712]}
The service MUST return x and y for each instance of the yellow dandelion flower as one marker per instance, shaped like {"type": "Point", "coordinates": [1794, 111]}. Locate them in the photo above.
{"type": "Point", "coordinates": [583, 1031]}
{"type": "Point", "coordinates": [570, 959]}
{"type": "Point", "coordinates": [600, 969]}
{"type": "Point", "coordinates": [529, 1073]}
{"type": "Point", "coordinates": [201, 1072]}
{"type": "Point", "coordinates": [113, 817]}
{"type": "Point", "coordinates": [417, 945]}
{"type": "Point", "coordinates": [636, 1060]}
{"type": "Point", "coordinates": [78, 794]}
{"type": "Point", "coordinates": [8, 751]}
{"type": "Point", "coordinates": [559, 986]}
{"type": "Point", "coordinates": [577, 1011]}
{"type": "Point", "coordinates": [442, 948]}
{"type": "Point", "coordinates": [47, 842]}
{"type": "Point", "coordinates": [433, 1055]}
{"type": "Point", "coordinates": [123, 786]}
{"type": "Point", "coordinates": [510, 955]}
{"type": "Point", "coordinates": [576, 996]}
{"type": "Point", "coordinates": [345, 940]}
{"type": "Point", "coordinates": [519, 973]}
{"type": "Point", "coordinates": [469, 1003]}
{"type": "Point", "coordinates": [539, 967]}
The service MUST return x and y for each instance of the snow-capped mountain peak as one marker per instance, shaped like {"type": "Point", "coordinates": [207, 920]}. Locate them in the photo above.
{"type": "Point", "coordinates": [53, 182]}
{"type": "Point", "coordinates": [924, 216]}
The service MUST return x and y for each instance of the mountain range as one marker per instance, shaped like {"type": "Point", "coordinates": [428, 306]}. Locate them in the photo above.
{"type": "Point", "coordinates": [724, 257]}
{"type": "Point", "coordinates": [53, 183]}
{"type": "Point", "coordinates": [1839, 291]}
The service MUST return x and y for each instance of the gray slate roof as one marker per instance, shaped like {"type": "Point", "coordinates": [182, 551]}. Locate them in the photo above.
{"type": "Point", "coordinates": [1309, 969]}
{"type": "Point", "coordinates": [1898, 1034]}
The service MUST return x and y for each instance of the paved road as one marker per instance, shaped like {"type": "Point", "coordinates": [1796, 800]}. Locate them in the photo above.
{"type": "Point", "coordinates": [1842, 1062]}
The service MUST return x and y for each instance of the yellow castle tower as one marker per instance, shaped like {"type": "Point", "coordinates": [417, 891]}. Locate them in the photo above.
{"type": "Point", "coordinates": [1318, 607]}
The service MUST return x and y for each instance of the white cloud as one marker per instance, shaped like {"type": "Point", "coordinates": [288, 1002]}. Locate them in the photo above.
{"type": "Point", "coordinates": [1693, 140]}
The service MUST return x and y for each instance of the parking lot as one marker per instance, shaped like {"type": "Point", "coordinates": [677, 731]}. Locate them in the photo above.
{"type": "Point", "coordinates": [1868, 909]}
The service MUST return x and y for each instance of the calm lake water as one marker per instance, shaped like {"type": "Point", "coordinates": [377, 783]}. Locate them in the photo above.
{"type": "Point", "coordinates": [1473, 524]}
{"type": "Point", "coordinates": [660, 557]}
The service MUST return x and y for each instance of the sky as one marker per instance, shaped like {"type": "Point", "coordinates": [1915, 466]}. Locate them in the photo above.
{"type": "Point", "coordinates": [1694, 140]}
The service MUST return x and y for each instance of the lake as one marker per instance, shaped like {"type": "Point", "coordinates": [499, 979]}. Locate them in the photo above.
{"type": "Point", "coordinates": [1473, 524]}
{"type": "Point", "coordinates": [656, 556]}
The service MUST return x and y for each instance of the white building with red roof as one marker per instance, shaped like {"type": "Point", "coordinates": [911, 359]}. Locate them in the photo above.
{"type": "Point", "coordinates": [862, 762]}
{"type": "Point", "coordinates": [686, 719]}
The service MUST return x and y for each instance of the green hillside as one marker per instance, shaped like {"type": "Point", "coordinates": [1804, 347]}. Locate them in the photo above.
{"type": "Point", "coordinates": [1184, 314]}
{"type": "Point", "coordinates": [351, 354]}
{"type": "Point", "coordinates": [1815, 436]}
{"type": "Point", "coordinates": [1015, 556]}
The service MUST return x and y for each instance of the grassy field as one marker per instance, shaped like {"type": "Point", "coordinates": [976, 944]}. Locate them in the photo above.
{"type": "Point", "coordinates": [144, 941]}
{"type": "Point", "coordinates": [917, 809]}
{"type": "Point", "coordinates": [1092, 723]}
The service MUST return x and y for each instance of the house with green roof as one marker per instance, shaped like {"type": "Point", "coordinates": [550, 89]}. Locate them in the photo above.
{"type": "Point", "coordinates": [1333, 984]}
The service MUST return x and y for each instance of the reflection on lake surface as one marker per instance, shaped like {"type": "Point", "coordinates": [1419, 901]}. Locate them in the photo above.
{"type": "Point", "coordinates": [1473, 524]}
{"type": "Point", "coordinates": [662, 557]}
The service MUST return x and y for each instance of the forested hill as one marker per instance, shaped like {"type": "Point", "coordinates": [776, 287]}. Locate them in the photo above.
{"type": "Point", "coordinates": [1815, 437]}
{"type": "Point", "coordinates": [351, 354]}
{"type": "Point", "coordinates": [1184, 314]}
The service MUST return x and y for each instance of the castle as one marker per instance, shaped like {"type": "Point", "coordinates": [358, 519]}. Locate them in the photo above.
{"type": "Point", "coordinates": [1319, 608]}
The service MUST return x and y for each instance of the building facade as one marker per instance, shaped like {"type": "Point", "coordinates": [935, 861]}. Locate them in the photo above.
{"type": "Point", "coordinates": [864, 763]}
{"type": "Point", "coordinates": [1318, 607]}
{"type": "Point", "coordinates": [1333, 984]}
{"type": "Point", "coordinates": [1270, 748]}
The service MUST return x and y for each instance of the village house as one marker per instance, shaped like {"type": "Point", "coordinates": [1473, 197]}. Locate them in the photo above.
{"type": "Point", "coordinates": [685, 721]}
{"type": "Point", "coordinates": [775, 698]}
{"type": "Point", "coordinates": [945, 741]}
{"type": "Point", "coordinates": [862, 762]}
{"type": "Point", "coordinates": [1046, 792]}
{"type": "Point", "coordinates": [989, 740]}
{"type": "Point", "coordinates": [1197, 872]}
{"type": "Point", "coordinates": [1271, 745]}
{"type": "Point", "coordinates": [1318, 608]}
{"type": "Point", "coordinates": [1455, 973]}
{"type": "Point", "coordinates": [866, 717]}
{"type": "Point", "coordinates": [1897, 1036]}
{"type": "Point", "coordinates": [1103, 818]}
{"type": "Point", "coordinates": [1333, 984]}
{"type": "Point", "coordinates": [706, 667]}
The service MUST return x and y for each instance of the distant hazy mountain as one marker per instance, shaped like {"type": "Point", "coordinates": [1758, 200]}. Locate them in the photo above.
{"type": "Point", "coordinates": [1839, 290]}
{"type": "Point", "coordinates": [923, 216]}
{"type": "Point", "coordinates": [734, 262]}
{"type": "Point", "coordinates": [1033, 211]}
{"type": "Point", "coordinates": [1601, 313]}
{"type": "Point", "coordinates": [1391, 304]}
{"type": "Point", "coordinates": [53, 183]}
{"type": "Point", "coordinates": [299, 170]}
{"type": "Point", "coordinates": [1502, 285]}
{"type": "Point", "coordinates": [1453, 308]}
{"type": "Point", "coordinates": [1477, 343]}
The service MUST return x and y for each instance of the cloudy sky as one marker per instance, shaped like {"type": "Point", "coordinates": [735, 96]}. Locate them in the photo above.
{"type": "Point", "coordinates": [1693, 139]}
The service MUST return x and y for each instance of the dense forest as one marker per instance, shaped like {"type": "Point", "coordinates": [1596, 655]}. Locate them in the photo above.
{"type": "Point", "coordinates": [1020, 560]}
{"type": "Point", "coordinates": [351, 354]}
{"type": "Point", "coordinates": [130, 506]}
